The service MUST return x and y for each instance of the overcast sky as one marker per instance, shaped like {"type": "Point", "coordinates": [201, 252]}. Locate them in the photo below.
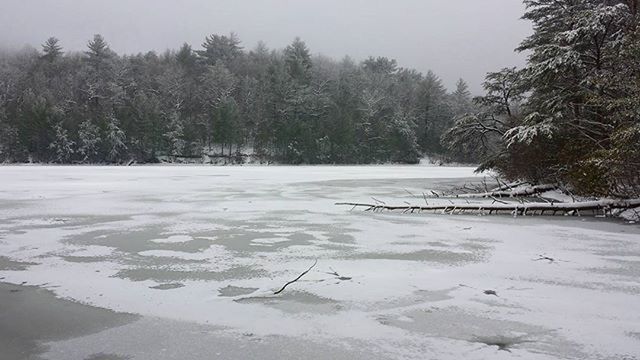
{"type": "Point", "coordinates": [462, 38]}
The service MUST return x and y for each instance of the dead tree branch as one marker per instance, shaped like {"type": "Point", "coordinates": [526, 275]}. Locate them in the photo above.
{"type": "Point", "coordinates": [338, 276]}
{"type": "Point", "coordinates": [296, 279]}
{"type": "Point", "coordinates": [545, 258]}
{"type": "Point", "coordinates": [527, 191]}
{"type": "Point", "coordinates": [504, 186]}
{"type": "Point", "coordinates": [521, 208]}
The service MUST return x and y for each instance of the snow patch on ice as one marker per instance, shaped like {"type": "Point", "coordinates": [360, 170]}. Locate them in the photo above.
{"type": "Point", "coordinates": [174, 239]}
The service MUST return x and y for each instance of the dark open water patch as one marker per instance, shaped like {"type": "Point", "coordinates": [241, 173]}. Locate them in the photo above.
{"type": "Point", "coordinates": [103, 356]}
{"type": "Point", "coordinates": [169, 286]}
{"type": "Point", "coordinates": [427, 255]}
{"type": "Point", "coordinates": [232, 291]}
{"type": "Point", "coordinates": [168, 275]}
{"type": "Point", "coordinates": [31, 316]}
{"type": "Point", "coordinates": [12, 265]}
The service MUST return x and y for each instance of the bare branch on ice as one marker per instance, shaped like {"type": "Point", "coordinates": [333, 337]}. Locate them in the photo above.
{"type": "Point", "coordinates": [296, 279]}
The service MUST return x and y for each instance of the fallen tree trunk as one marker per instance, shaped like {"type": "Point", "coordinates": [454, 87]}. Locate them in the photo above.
{"type": "Point", "coordinates": [509, 186]}
{"type": "Point", "coordinates": [526, 191]}
{"type": "Point", "coordinates": [606, 206]}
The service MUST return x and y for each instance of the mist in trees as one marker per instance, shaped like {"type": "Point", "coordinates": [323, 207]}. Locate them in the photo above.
{"type": "Point", "coordinates": [572, 115]}
{"type": "Point", "coordinates": [283, 105]}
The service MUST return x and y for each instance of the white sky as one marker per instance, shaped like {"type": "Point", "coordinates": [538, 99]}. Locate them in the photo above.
{"type": "Point", "coordinates": [462, 38]}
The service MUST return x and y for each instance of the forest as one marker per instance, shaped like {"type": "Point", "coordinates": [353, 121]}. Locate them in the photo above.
{"type": "Point", "coordinates": [570, 116]}
{"type": "Point", "coordinates": [287, 106]}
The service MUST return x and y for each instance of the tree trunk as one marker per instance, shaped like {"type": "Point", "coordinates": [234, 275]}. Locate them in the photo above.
{"type": "Point", "coordinates": [514, 208]}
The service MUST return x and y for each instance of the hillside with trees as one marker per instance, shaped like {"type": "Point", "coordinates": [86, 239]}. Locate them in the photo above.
{"type": "Point", "coordinates": [286, 106]}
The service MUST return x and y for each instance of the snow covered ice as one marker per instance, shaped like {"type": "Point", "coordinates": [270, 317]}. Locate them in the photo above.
{"type": "Point", "coordinates": [192, 256]}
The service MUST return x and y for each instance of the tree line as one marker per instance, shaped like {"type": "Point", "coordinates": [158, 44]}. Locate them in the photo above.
{"type": "Point", "coordinates": [282, 105]}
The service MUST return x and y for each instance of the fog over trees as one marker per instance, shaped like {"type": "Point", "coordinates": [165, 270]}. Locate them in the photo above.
{"type": "Point", "coordinates": [285, 105]}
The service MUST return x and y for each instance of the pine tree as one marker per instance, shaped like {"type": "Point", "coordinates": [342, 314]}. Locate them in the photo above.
{"type": "Point", "coordinates": [380, 65]}
{"type": "Point", "coordinates": [175, 135]}
{"type": "Point", "coordinates": [216, 90]}
{"type": "Point", "coordinates": [115, 140]}
{"type": "Point", "coordinates": [220, 48]}
{"type": "Point", "coordinates": [98, 50]}
{"type": "Point", "coordinates": [186, 56]}
{"type": "Point", "coordinates": [62, 146]}
{"type": "Point", "coordinates": [51, 49]}
{"type": "Point", "coordinates": [435, 113]}
{"type": "Point", "coordinates": [461, 98]}
{"type": "Point", "coordinates": [298, 61]}
{"type": "Point", "coordinates": [89, 141]}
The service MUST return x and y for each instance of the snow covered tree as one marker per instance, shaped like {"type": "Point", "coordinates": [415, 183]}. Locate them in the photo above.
{"type": "Point", "coordinates": [98, 51]}
{"type": "Point", "coordinates": [216, 90]}
{"type": "Point", "coordinates": [225, 127]}
{"type": "Point", "coordinates": [115, 140]}
{"type": "Point", "coordinates": [479, 136]}
{"type": "Point", "coordinates": [461, 100]}
{"type": "Point", "coordinates": [51, 49]}
{"type": "Point", "coordinates": [435, 113]}
{"type": "Point", "coordinates": [175, 135]}
{"type": "Point", "coordinates": [403, 140]}
{"type": "Point", "coordinates": [298, 61]}
{"type": "Point", "coordinates": [573, 109]}
{"type": "Point", "coordinates": [9, 136]}
{"type": "Point", "coordinates": [98, 79]}
{"type": "Point", "coordinates": [186, 57]}
{"type": "Point", "coordinates": [62, 146]}
{"type": "Point", "coordinates": [575, 49]}
{"type": "Point", "coordinates": [89, 141]}
{"type": "Point", "coordinates": [220, 48]}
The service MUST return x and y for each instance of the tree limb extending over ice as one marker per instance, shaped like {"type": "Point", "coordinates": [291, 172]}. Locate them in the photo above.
{"type": "Point", "coordinates": [515, 208]}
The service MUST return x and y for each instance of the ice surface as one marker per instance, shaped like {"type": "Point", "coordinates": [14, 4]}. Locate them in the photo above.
{"type": "Point", "coordinates": [204, 248]}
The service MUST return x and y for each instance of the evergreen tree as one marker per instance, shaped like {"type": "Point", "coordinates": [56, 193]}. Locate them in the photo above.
{"type": "Point", "coordinates": [462, 103]}
{"type": "Point", "coordinates": [115, 140]}
{"type": "Point", "coordinates": [174, 135]}
{"type": "Point", "coordinates": [220, 48]}
{"type": "Point", "coordinates": [89, 141]}
{"type": "Point", "coordinates": [298, 61]}
{"type": "Point", "coordinates": [98, 50]}
{"type": "Point", "coordinates": [61, 145]}
{"type": "Point", "coordinates": [51, 49]}
{"type": "Point", "coordinates": [435, 113]}
{"type": "Point", "coordinates": [186, 57]}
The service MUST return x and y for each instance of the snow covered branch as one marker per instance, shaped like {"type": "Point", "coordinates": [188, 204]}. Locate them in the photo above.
{"type": "Point", "coordinates": [514, 192]}
{"type": "Point", "coordinates": [604, 206]}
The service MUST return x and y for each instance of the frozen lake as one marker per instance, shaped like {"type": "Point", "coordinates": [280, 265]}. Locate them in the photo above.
{"type": "Point", "coordinates": [174, 262]}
